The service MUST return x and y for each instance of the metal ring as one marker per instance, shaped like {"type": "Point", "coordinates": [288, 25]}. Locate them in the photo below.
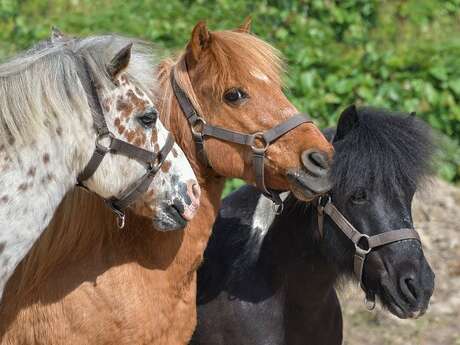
{"type": "Point", "coordinates": [370, 303]}
{"type": "Point", "coordinates": [121, 218]}
{"type": "Point", "coordinates": [362, 251]}
{"type": "Point", "coordinates": [278, 208]}
{"type": "Point", "coordinates": [198, 122]}
{"type": "Point", "coordinates": [101, 136]}
{"type": "Point", "coordinates": [260, 136]}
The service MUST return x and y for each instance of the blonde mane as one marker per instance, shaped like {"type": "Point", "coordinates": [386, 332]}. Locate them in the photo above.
{"type": "Point", "coordinates": [43, 87]}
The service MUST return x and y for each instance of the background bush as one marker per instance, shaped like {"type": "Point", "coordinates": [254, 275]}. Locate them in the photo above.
{"type": "Point", "coordinates": [401, 54]}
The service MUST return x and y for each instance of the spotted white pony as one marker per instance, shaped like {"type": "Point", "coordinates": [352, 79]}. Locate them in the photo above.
{"type": "Point", "coordinates": [48, 136]}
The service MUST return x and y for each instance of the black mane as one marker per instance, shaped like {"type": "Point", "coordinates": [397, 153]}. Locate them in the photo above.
{"type": "Point", "coordinates": [384, 149]}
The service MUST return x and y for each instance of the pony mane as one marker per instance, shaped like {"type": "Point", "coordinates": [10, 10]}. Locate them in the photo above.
{"type": "Point", "coordinates": [42, 87]}
{"type": "Point", "coordinates": [82, 223]}
{"type": "Point", "coordinates": [231, 54]}
{"type": "Point", "coordinates": [384, 149]}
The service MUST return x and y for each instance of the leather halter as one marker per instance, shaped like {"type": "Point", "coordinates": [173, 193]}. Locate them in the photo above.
{"type": "Point", "coordinates": [151, 160]}
{"type": "Point", "coordinates": [364, 244]}
{"type": "Point", "coordinates": [258, 142]}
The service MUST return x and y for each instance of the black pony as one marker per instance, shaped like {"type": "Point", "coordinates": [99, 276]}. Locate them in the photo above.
{"type": "Point", "coordinates": [269, 279]}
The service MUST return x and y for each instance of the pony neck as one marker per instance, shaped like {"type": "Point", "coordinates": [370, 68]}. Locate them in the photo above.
{"type": "Point", "coordinates": [35, 178]}
{"type": "Point", "coordinates": [307, 271]}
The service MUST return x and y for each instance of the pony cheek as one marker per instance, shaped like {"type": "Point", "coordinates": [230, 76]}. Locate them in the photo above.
{"type": "Point", "coordinates": [226, 159]}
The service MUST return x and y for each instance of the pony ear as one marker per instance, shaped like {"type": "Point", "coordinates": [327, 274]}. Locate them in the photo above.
{"type": "Point", "coordinates": [56, 35]}
{"type": "Point", "coordinates": [347, 121]}
{"type": "Point", "coordinates": [119, 62]}
{"type": "Point", "coordinates": [412, 114]}
{"type": "Point", "coordinates": [245, 27]}
{"type": "Point", "coordinates": [200, 41]}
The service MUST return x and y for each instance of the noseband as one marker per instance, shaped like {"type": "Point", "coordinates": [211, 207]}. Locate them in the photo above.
{"type": "Point", "coordinates": [363, 243]}
{"type": "Point", "coordinates": [258, 142]}
{"type": "Point", "coordinates": [151, 160]}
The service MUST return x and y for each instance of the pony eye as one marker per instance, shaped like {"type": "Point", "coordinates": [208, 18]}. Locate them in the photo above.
{"type": "Point", "coordinates": [359, 197]}
{"type": "Point", "coordinates": [148, 118]}
{"type": "Point", "coordinates": [235, 96]}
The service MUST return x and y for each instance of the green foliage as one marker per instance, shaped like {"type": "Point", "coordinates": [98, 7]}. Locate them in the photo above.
{"type": "Point", "coordinates": [400, 54]}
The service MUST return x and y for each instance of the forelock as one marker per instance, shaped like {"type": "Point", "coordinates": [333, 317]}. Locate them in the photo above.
{"type": "Point", "coordinates": [386, 150]}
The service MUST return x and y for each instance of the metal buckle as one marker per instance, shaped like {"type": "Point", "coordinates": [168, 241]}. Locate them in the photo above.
{"type": "Point", "coordinates": [198, 126]}
{"type": "Point", "coordinates": [254, 138]}
{"type": "Point", "coordinates": [121, 217]}
{"type": "Point", "coordinates": [362, 251]}
{"type": "Point", "coordinates": [99, 145]}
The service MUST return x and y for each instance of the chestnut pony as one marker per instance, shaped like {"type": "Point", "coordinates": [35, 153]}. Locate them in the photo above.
{"type": "Point", "coordinates": [138, 286]}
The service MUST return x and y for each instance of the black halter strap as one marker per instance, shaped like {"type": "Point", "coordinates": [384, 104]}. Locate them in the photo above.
{"type": "Point", "coordinates": [151, 160]}
{"type": "Point", "coordinates": [363, 243]}
{"type": "Point", "coordinates": [258, 142]}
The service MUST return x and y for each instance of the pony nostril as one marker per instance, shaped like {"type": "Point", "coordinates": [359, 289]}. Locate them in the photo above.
{"type": "Point", "coordinates": [319, 159]}
{"type": "Point", "coordinates": [409, 289]}
{"type": "Point", "coordinates": [314, 161]}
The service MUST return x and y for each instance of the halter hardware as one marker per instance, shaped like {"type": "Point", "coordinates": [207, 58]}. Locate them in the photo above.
{"type": "Point", "coordinates": [363, 243]}
{"type": "Point", "coordinates": [151, 160]}
{"type": "Point", "coordinates": [259, 136]}
{"type": "Point", "coordinates": [200, 129]}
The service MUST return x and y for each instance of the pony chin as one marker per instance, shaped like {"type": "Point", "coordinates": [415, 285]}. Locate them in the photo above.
{"type": "Point", "coordinates": [168, 218]}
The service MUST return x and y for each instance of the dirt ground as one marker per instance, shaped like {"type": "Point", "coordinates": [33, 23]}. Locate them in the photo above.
{"type": "Point", "coordinates": [437, 217]}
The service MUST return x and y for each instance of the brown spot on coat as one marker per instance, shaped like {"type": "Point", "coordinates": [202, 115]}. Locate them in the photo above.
{"type": "Point", "coordinates": [4, 199]}
{"type": "Point", "coordinates": [59, 131]}
{"type": "Point", "coordinates": [166, 166]}
{"type": "Point", "coordinates": [46, 158]}
{"type": "Point", "coordinates": [154, 137]}
{"type": "Point", "coordinates": [139, 103]}
{"type": "Point", "coordinates": [174, 152]}
{"type": "Point", "coordinates": [130, 136]}
{"type": "Point", "coordinates": [2, 247]}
